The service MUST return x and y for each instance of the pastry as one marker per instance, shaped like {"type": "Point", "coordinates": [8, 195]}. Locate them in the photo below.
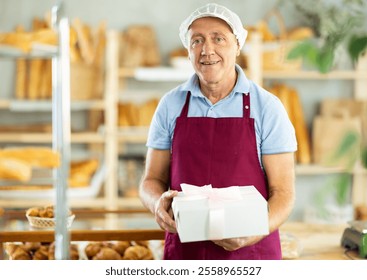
{"type": "Point", "coordinates": [107, 253]}
{"type": "Point", "coordinates": [20, 254]}
{"type": "Point", "coordinates": [41, 253]}
{"type": "Point", "coordinates": [120, 246]}
{"type": "Point", "coordinates": [14, 169]}
{"type": "Point", "coordinates": [34, 156]}
{"type": "Point", "coordinates": [92, 249]}
{"type": "Point", "coordinates": [138, 252]}
{"type": "Point", "coordinates": [31, 246]}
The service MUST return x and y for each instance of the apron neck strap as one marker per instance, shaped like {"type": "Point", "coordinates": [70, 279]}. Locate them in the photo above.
{"type": "Point", "coordinates": [185, 109]}
{"type": "Point", "coordinates": [246, 105]}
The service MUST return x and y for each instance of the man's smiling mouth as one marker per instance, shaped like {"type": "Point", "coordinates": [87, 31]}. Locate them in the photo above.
{"type": "Point", "coordinates": [209, 62]}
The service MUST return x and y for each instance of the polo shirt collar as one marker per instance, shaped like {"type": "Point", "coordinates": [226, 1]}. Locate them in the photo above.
{"type": "Point", "coordinates": [242, 84]}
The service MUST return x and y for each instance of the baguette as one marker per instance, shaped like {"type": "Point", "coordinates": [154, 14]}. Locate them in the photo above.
{"type": "Point", "coordinates": [21, 73]}
{"type": "Point", "coordinates": [303, 153]}
{"type": "Point", "coordinates": [15, 169]}
{"type": "Point", "coordinates": [34, 156]}
{"type": "Point", "coordinates": [84, 41]}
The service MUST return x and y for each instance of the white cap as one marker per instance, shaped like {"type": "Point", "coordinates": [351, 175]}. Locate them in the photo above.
{"type": "Point", "coordinates": [218, 11]}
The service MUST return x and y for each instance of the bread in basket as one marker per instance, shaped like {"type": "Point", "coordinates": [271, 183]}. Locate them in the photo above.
{"type": "Point", "coordinates": [43, 217]}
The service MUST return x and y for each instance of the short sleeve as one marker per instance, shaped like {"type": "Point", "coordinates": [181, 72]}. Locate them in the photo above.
{"type": "Point", "coordinates": [159, 133]}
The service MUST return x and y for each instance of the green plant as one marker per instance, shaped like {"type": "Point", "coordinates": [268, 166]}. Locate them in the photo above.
{"type": "Point", "coordinates": [333, 23]}
{"type": "Point", "coordinates": [357, 46]}
{"type": "Point", "coordinates": [347, 153]}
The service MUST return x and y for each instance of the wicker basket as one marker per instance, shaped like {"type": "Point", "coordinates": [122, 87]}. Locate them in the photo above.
{"type": "Point", "coordinates": [275, 53]}
{"type": "Point", "coordinates": [38, 222]}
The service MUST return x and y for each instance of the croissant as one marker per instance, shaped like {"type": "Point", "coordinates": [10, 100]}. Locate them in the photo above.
{"type": "Point", "coordinates": [138, 252]}
{"type": "Point", "coordinates": [31, 246]}
{"type": "Point", "coordinates": [41, 253]}
{"type": "Point", "coordinates": [92, 249]}
{"type": "Point", "coordinates": [107, 253]}
{"type": "Point", "coordinates": [34, 212]}
{"type": "Point", "coordinates": [20, 254]}
{"type": "Point", "coordinates": [120, 246]}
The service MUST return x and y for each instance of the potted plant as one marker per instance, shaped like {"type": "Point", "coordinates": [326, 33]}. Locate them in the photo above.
{"type": "Point", "coordinates": [333, 23]}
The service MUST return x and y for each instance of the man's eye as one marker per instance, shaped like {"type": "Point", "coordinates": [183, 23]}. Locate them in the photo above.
{"type": "Point", "coordinates": [196, 42]}
{"type": "Point", "coordinates": [219, 39]}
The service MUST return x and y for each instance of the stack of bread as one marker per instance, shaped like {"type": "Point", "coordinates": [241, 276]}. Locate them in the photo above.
{"type": "Point", "coordinates": [139, 47]}
{"type": "Point", "coordinates": [37, 251]}
{"type": "Point", "coordinates": [17, 164]}
{"type": "Point", "coordinates": [119, 250]}
{"type": "Point", "coordinates": [291, 101]}
{"type": "Point", "coordinates": [34, 77]}
{"type": "Point", "coordinates": [44, 217]}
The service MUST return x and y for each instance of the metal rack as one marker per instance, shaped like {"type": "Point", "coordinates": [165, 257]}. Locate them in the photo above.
{"type": "Point", "coordinates": [60, 119]}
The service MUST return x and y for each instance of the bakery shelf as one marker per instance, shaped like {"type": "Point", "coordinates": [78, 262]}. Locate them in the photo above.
{"type": "Point", "coordinates": [80, 137]}
{"type": "Point", "coordinates": [97, 202]}
{"type": "Point", "coordinates": [156, 74]}
{"type": "Point", "coordinates": [49, 193]}
{"type": "Point", "coordinates": [314, 75]}
{"type": "Point", "coordinates": [133, 134]}
{"type": "Point", "coordinates": [46, 105]}
{"type": "Point", "coordinates": [38, 51]}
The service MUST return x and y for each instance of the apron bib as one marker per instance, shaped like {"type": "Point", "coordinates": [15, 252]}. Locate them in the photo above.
{"type": "Point", "coordinates": [221, 152]}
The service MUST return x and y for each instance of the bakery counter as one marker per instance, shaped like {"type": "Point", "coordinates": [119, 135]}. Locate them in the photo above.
{"type": "Point", "coordinates": [88, 225]}
{"type": "Point", "coordinates": [299, 240]}
{"type": "Point", "coordinates": [315, 242]}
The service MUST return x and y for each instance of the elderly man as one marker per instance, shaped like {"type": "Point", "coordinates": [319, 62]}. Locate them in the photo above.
{"type": "Point", "coordinates": [222, 129]}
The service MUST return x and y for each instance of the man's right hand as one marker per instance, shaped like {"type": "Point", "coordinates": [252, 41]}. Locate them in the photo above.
{"type": "Point", "coordinates": [163, 211]}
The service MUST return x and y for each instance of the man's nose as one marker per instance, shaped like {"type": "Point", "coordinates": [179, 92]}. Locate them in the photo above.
{"type": "Point", "coordinates": [208, 48]}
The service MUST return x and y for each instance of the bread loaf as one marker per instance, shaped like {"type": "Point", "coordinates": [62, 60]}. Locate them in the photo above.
{"type": "Point", "coordinates": [34, 156]}
{"type": "Point", "coordinates": [14, 169]}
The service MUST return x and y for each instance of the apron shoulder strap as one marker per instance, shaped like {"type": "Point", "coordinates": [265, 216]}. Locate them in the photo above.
{"type": "Point", "coordinates": [185, 109]}
{"type": "Point", "coordinates": [246, 105]}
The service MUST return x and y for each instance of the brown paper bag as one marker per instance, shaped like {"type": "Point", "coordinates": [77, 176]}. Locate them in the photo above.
{"type": "Point", "coordinates": [328, 133]}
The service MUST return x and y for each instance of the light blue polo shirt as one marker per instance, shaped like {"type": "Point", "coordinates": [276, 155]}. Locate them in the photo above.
{"type": "Point", "coordinates": [274, 131]}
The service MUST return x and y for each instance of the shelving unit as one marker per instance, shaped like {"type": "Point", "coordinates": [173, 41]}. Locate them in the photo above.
{"type": "Point", "coordinates": [60, 108]}
{"type": "Point", "coordinates": [357, 76]}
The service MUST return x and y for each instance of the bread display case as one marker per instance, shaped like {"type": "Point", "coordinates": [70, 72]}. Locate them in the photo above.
{"type": "Point", "coordinates": [89, 226]}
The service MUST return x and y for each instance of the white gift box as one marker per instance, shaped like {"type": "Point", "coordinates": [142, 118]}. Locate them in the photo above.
{"type": "Point", "coordinates": [206, 213]}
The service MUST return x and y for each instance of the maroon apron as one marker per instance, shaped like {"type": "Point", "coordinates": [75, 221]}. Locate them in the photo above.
{"type": "Point", "coordinates": [221, 152]}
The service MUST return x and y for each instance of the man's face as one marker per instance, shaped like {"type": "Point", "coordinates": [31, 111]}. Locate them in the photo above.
{"type": "Point", "coordinates": [213, 49]}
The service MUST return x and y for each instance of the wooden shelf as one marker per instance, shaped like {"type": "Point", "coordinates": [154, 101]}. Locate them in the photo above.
{"type": "Point", "coordinates": [156, 74]}
{"type": "Point", "coordinates": [82, 137]}
{"type": "Point", "coordinates": [133, 134]}
{"type": "Point", "coordinates": [314, 75]}
{"type": "Point", "coordinates": [46, 105]}
{"type": "Point", "coordinates": [99, 202]}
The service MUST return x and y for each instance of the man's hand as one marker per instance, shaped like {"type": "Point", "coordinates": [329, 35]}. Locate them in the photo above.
{"type": "Point", "coordinates": [163, 212]}
{"type": "Point", "coordinates": [232, 244]}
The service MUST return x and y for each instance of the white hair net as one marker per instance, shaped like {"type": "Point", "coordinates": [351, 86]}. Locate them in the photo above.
{"type": "Point", "coordinates": [218, 11]}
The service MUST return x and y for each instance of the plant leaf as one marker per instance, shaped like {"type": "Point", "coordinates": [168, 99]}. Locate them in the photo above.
{"type": "Point", "coordinates": [325, 61]}
{"type": "Point", "coordinates": [357, 45]}
{"type": "Point", "coordinates": [300, 50]}
{"type": "Point", "coordinates": [342, 188]}
{"type": "Point", "coordinates": [364, 157]}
